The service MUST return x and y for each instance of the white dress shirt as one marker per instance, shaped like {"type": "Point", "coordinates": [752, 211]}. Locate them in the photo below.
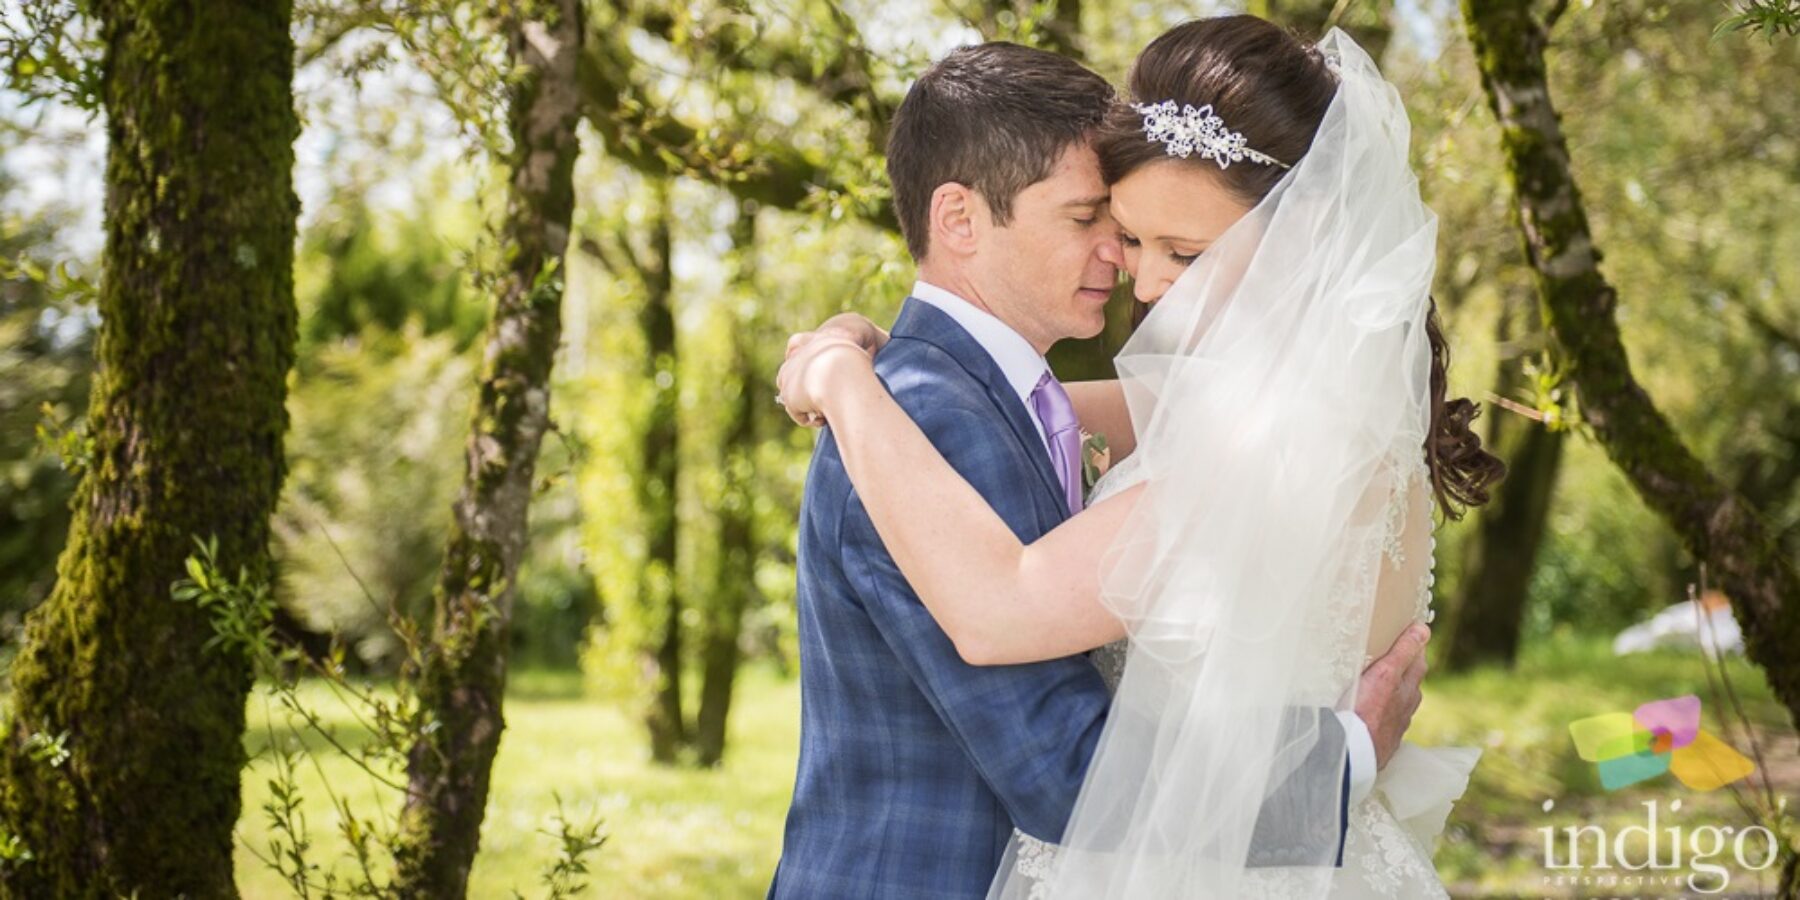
{"type": "Point", "coordinates": [1018, 360]}
{"type": "Point", "coordinates": [1023, 366]}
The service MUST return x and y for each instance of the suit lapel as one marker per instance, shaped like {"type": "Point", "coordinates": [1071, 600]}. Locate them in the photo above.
{"type": "Point", "coordinates": [923, 322]}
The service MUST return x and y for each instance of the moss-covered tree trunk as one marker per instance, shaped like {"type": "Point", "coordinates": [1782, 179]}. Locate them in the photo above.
{"type": "Point", "coordinates": [186, 419]}
{"type": "Point", "coordinates": [463, 675]}
{"type": "Point", "coordinates": [1488, 613]}
{"type": "Point", "coordinates": [1716, 524]}
{"type": "Point", "coordinates": [734, 582]}
{"type": "Point", "coordinates": [657, 484]}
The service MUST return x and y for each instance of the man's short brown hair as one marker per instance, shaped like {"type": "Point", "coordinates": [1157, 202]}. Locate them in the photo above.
{"type": "Point", "coordinates": [994, 117]}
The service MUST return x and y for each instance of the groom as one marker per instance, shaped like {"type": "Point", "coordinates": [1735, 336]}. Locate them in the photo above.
{"type": "Point", "coordinates": [914, 765]}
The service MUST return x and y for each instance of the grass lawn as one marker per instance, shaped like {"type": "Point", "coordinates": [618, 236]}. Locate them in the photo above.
{"type": "Point", "coordinates": [670, 833]}
{"type": "Point", "coordinates": [1493, 847]}
{"type": "Point", "coordinates": [715, 834]}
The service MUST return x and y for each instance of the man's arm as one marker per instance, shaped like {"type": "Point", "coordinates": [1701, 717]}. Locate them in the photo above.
{"type": "Point", "coordinates": [1287, 831]}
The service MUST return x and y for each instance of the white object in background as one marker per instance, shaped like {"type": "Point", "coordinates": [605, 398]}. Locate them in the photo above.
{"type": "Point", "coordinates": [1679, 626]}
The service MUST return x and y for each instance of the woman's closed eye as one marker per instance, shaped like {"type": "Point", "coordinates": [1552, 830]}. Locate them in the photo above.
{"type": "Point", "coordinates": [1184, 259]}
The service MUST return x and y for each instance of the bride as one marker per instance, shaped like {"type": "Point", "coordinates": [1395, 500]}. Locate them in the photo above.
{"type": "Point", "coordinates": [1282, 440]}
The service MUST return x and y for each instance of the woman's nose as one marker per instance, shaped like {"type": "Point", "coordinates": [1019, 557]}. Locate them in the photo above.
{"type": "Point", "coordinates": [1147, 292]}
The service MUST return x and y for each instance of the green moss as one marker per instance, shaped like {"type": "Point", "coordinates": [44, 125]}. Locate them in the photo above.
{"type": "Point", "coordinates": [1578, 304]}
{"type": "Point", "coordinates": [463, 674]}
{"type": "Point", "coordinates": [187, 422]}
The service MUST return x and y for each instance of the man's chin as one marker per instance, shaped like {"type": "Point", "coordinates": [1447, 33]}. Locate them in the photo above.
{"type": "Point", "coordinates": [1090, 327]}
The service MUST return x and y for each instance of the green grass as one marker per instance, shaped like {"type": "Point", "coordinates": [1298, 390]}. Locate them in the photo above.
{"type": "Point", "coordinates": [671, 833]}
{"type": "Point", "coordinates": [681, 833]}
{"type": "Point", "coordinates": [1520, 719]}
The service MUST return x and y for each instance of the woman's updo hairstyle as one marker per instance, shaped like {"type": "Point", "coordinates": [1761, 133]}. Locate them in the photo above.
{"type": "Point", "coordinates": [1273, 88]}
{"type": "Point", "coordinates": [1265, 83]}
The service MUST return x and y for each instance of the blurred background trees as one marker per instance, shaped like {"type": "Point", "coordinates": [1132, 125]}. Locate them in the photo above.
{"type": "Point", "coordinates": [729, 190]}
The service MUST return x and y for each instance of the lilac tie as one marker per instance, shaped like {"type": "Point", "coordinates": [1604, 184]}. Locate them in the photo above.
{"type": "Point", "coordinates": [1051, 403]}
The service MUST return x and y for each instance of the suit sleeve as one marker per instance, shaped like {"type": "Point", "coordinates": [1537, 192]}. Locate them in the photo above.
{"type": "Point", "coordinates": [1286, 831]}
{"type": "Point", "coordinates": [1030, 730]}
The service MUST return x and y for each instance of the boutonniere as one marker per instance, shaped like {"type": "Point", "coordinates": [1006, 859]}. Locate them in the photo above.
{"type": "Point", "coordinates": [1095, 459]}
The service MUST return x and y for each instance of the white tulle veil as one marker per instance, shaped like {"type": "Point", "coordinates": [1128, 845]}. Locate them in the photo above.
{"type": "Point", "coordinates": [1271, 390]}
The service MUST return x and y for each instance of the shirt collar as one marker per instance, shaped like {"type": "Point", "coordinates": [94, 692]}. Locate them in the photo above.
{"type": "Point", "coordinates": [1018, 360]}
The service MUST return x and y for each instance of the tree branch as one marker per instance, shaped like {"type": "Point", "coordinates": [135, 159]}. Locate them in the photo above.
{"type": "Point", "coordinates": [844, 79]}
{"type": "Point", "coordinates": [658, 144]}
{"type": "Point", "coordinates": [1716, 524]}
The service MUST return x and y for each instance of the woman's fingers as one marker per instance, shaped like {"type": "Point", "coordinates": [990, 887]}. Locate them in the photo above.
{"type": "Point", "coordinates": [857, 328]}
{"type": "Point", "coordinates": [806, 374]}
{"type": "Point", "coordinates": [795, 404]}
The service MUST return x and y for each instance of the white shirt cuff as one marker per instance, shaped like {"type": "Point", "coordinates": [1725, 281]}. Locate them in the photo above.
{"type": "Point", "coordinates": [1362, 755]}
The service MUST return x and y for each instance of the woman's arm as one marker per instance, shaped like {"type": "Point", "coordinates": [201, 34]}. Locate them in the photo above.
{"type": "Point", "coordinates": [1099, 405]}
{"type": "Point", "coordinates": [1000, 601]}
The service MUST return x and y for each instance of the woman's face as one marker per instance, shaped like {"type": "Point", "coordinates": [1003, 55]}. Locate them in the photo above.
{"type": "Point", "coordinates": [1169, 212]}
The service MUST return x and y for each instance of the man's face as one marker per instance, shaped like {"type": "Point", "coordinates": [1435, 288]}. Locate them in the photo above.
{"type": "Point", "coordinates": [1049, 271]}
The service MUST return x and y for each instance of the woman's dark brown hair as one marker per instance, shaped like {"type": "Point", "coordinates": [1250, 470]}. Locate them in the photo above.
{"type": "Point", "coordinates": [1274, 88]}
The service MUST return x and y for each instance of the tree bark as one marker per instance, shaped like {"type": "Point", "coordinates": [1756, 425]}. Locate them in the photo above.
{"type": "Point", "coordinates": [657, 494]}
{"type": "Point", "coordinates": [1062, 30]}
{"type": "Point", "coordinates": [1488, 615]}
{"type": "Point", "coordinates": [1369, 23]}
{"type": "Point", "coordinates": [640, 131]}
{"type": "Point", "coordinates": [1717, 525]}
{"type": "Point", "coordinates": [463, 674]}
{"type": "Point", "coordinates": [186, 417]}
{"type": "Point", "coordinates": [734, 588]}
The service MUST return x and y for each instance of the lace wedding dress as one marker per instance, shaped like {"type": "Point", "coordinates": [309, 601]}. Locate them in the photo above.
{"type": "Point", "coordinates": [1388, 848]}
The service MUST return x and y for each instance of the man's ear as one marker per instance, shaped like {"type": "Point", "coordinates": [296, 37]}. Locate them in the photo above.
{"type": "Point", "coordinates": [958, 216]}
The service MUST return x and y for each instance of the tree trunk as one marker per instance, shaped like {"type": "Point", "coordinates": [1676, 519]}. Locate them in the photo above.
{"type": "Point", "coordinates": [463, 675]}
{"type": "Point", "coordinates": [1369, 23]}
{"type": "Point", "coordinates": [657, 492]}
{"type": "Point", "coordinates": [1715, 524]}
{"type": "Point", "coordinates": [1062, 29]}
{"type": "Point", "coordinates": [1499, 559]}
{"type": "Point", "coordinates": [735, 585]}
{"type": "Point", "coordinates": [186, 418]}
{"type": "Point", "coordinates": [1489, 612]}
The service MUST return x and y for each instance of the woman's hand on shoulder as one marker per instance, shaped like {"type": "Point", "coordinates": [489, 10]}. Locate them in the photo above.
{"type": "Point", "coordinates": [795, 392]}
{"type": "Point", "coordinates": [815, 367]}
{"type": "Point", "coordinates": [852, 326]}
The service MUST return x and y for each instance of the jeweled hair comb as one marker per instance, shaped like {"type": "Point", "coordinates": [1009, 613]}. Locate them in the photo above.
{"type": "Point", "coordinates": [1186, 131]}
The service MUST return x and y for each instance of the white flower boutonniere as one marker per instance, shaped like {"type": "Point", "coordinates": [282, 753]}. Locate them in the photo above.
{"type": "Point", "coordinates": [1095, 460]}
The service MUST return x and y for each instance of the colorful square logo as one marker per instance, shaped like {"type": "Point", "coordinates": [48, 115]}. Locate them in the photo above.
{"type": "Point", "coordinates": [1660, 736]}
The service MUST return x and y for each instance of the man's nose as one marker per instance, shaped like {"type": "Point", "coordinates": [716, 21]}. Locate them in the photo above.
{"type": "Point", "coordinates": [1111, 252]}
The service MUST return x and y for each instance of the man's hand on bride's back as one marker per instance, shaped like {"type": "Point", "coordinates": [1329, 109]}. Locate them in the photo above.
{"type": "Point", "coordinates": [1388, 694]}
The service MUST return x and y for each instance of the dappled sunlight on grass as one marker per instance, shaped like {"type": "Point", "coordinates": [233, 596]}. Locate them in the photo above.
{"type": "Point", "coordinates": [1520, 718]}
{"type": "Point", "coordinates": [683, 833]}
{"type": "Point", "coordinates": [672, 833]}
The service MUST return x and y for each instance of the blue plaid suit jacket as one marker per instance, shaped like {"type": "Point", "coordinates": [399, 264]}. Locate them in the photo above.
{"type": "Point", "coordinates": [915, 766]}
